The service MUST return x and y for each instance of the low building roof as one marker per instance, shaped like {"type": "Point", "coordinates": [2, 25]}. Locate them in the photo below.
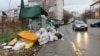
{"type": "Point", "coordinates": [35, 11]}
{"type": "Point", "coordinates": [95, 3]}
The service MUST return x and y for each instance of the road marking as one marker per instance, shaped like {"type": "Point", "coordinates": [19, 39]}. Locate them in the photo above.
{"type": "Point", "coordinates": [77, 50]}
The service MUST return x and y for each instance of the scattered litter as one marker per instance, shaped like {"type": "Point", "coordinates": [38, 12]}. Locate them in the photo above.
{"type": "Point", "coordinates": [43, 42]}
{"type": "Point", "coordinates": [37, 33]}
{"type": "Point", "coordinates": [18, 45]}
{"type": "Point", "coordinates": [51, 37]}
{"type": "Point", "coordinates": [43, 39]}
{"type": "Point", "coordinates": [3, 44]}
{"type": "Point", "coordinates": [27, 39]}
{"type": "Point", "coordinates": [42, 30]}
{"type": "Point", "coordinates": [58, 35]}
{"type": "Point", "coordinates": [29, 45]}
{"type": "Point", "coordinates": [7, 47]}
{"type": "Point", "coordinates": [56, 38]}
{"type": "Point", "coordinates": [12, 42]}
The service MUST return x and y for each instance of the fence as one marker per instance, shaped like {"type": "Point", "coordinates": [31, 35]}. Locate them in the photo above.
{"type": "Point", "coordinates": [7, 25]}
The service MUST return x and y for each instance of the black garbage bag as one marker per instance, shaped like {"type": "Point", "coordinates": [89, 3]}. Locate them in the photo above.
{"type": "Point", "coordinates": [58, 35]}
{"type": "Point", "coordinates": [56, 25]}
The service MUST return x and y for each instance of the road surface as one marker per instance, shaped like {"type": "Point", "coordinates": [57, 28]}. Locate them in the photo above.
{"type": "Point", "coordinates": [79, 43]}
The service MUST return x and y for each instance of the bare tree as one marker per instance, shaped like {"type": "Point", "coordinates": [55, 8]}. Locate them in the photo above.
{"type": "Point", "coordinates": [88, 14]}
{"type": "Point", "coordinates": [67, 16]}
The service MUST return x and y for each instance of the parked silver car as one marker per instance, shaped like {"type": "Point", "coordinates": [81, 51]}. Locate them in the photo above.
{"type": "Point", "coordinates": [79, 25]}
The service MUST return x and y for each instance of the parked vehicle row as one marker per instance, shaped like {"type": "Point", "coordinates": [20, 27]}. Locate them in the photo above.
{"type": "Point", "coordinates": [95, 24]}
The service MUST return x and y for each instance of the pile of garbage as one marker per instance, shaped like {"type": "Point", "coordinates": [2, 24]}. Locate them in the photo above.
{"type": "Point", "coordinates": [26, 39]}
{"type": "Point", "coordinates": [48, 36]}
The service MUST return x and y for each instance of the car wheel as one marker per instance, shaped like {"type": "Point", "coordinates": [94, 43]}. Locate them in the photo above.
{"type": "Point", "coordinates": [96, 25]}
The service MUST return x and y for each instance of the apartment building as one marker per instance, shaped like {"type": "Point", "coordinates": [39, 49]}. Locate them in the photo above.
{"type": "Point", "coordinates": [95, 8]}
{"type": "Point", "coordinates": [13, 13]}
{"type": "Point", "coordinates": [55, 8]}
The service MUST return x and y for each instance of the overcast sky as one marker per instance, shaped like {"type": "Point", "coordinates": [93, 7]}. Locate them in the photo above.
{"type": "Point", "coordinates": [70, 5]}
{"type": "Point", "coordinates": [77, 5]}
{"type": "Point", "coordinates": [4, 4]}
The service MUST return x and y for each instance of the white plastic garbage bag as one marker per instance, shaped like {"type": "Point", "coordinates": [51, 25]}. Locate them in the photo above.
{"type": "Point", "coordinates": [37, 33]}
{"type": "Point", "coordinates": [43, 41]}
{"type": "Point", "coordinates": [51, 36]}
{"type": "Point", "coordinates": [55, 38]}
{"type": "Point", "coordinates": [44, 38]}
{"type": "Point", "coordinates": [3, 44]}
{"type": "Point", "coordinates": [42, 30]}
{"type": "Point", "coordinates": [18, 45]}
{"type": "Point", "coordinates": [7, 47]}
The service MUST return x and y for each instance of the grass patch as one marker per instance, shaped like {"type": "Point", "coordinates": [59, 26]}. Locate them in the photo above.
{"type": "Point", "coordinates": [6, 37]}
{"type": "Point", "coordinates": [16, 54]}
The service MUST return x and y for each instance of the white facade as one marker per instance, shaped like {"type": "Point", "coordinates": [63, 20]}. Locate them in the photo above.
{"type": "Point", "coordinates": [32, 3]}
{"type": "Point", "coordinates": [55, 8]}
{"type": "Point", "coordinates": [95, 6]}
{"type": "Point", "coordinates": [59, 9]}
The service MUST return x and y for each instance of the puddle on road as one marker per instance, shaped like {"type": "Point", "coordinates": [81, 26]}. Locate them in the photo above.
{"type": "Point", "coordinates": [76, 50]}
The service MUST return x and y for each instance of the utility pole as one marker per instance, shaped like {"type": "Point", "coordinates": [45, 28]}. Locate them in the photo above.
{"type": "Point", "coordinates": [99, 10]}
{"type": "Point", "coordinates": [9, 4]}
{"type": "Point", "coordinates": [44, 3]}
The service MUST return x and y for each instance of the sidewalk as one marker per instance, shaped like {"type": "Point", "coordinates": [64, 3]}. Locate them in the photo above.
{"type": "Point", "coordinates": [57, 48]}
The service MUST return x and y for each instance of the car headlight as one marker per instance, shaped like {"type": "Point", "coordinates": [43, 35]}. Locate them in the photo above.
{"type": "Point", "coordinates": [77, 26]}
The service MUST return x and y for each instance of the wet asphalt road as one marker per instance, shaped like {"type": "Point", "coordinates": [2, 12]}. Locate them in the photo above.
{"type": "Point", "coordinates": [80, 43]}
